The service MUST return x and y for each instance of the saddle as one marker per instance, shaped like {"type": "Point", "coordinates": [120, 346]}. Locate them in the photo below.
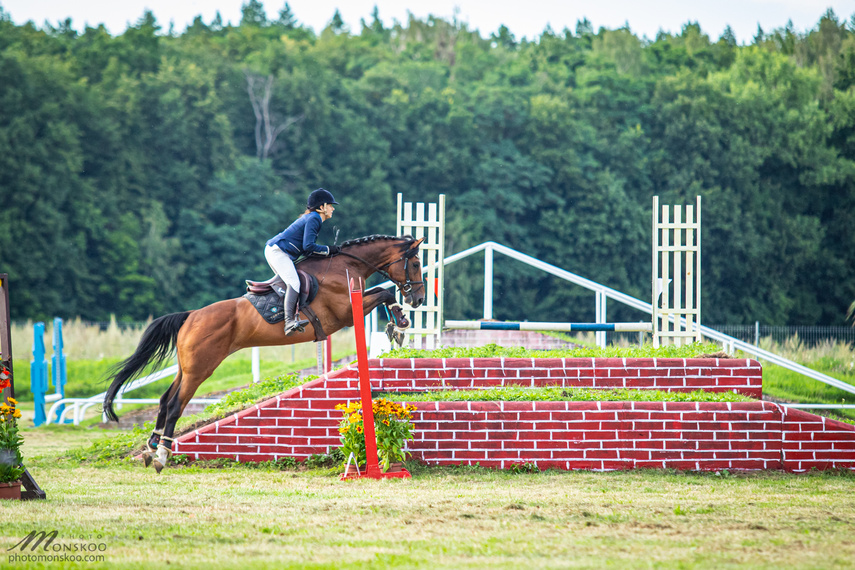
{"type": "Point", "coordinates": [266, 297]}
{"type": "Point", "coordinates": [308, 287]}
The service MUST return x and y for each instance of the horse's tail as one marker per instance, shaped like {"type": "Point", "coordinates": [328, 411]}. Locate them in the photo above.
{"type": "Point", "coordinates": [156, 345]}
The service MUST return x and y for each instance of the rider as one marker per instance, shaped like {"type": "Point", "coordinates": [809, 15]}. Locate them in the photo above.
{"type": "Point", "coordinates": [296, 240]}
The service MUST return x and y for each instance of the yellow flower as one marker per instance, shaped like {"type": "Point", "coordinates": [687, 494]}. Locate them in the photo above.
{"type": "Point", "coordinates": [12, 401]}
{"type": "Point", "coordinates": [354, 418]}
{"type": "Point", "coordinates": [17, 414]}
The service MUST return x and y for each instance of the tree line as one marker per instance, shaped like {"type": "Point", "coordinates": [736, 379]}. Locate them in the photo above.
{"type": "Point", "coordinates": [142, 173]}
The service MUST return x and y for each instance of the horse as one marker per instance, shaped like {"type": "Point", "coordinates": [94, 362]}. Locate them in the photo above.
{"type": "Point", "coordinates": [204, 337]}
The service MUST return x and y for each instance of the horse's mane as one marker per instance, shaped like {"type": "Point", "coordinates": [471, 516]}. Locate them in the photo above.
{"type": "Point", "coordinates": [408, 239]}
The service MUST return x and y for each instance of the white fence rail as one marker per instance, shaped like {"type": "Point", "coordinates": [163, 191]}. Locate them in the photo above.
{"type": "Point", "coordinates": [602, 292]}
{"type": "Point", "coordinates": [77, 407]}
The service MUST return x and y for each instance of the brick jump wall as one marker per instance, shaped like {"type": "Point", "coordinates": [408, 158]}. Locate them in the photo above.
{"type": "Point", "coordinates": [567, 435]}
{"type": "Point", "coordinates": [667, 374]}
{"type": "Point", "coordinates": [695, 436]}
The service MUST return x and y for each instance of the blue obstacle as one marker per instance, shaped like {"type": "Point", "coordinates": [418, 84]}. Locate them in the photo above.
{"type": "Point", "coordinates": [39, 371]}
{"type": "Point", "coordinates": [58, 371]}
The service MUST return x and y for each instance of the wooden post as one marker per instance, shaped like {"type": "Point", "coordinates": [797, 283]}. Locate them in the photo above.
{"type": "Point", "coordinates": [428, 221]}
{"type": "Point", "coordinates": [676, 276]}
{"type": "Point", "coordinates": [6, 335]}
{"type": "Point", "coordinates": [30, 489]}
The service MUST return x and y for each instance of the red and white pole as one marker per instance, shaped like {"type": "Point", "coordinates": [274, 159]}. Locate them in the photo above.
{"type": "Point", "coordinates": [372, 466]}
{"type": "Point", "coordinates": [372, 463]}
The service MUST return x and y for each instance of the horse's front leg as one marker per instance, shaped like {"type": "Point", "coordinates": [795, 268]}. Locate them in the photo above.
{"type": "Point", "coordinates": [377, 296]}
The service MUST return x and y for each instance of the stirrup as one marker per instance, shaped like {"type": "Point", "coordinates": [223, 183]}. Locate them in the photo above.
{"type": "Point", "coordinates": [295, 326]}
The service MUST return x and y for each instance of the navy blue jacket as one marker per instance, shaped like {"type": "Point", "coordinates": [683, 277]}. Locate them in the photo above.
{"type": "Point", "coordinates": [299, 237]}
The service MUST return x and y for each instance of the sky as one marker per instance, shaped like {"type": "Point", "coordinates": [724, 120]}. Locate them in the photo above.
{"type": "Point", "coordinates": [524, 18]}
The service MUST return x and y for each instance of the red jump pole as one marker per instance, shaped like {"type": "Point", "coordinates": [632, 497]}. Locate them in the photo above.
{"type": "Point", "coordinates": [372, 464]}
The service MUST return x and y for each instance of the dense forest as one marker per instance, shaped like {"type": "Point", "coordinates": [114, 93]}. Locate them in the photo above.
{"type": "Point", "coordinates": [141, 174]}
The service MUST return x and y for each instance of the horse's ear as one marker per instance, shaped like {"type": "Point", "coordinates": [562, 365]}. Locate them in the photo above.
{"type": "Point", "coordinates": [417, 243]}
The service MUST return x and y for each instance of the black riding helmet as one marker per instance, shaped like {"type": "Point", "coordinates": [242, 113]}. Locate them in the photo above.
{"type": "Point", "coordinates": [318, 198]}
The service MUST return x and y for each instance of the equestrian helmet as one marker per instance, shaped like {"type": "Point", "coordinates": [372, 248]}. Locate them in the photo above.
{"type": "Point", "coordinates": [318, 198]}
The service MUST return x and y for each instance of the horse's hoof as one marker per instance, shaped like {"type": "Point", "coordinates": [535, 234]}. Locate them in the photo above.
{"type": "Point", "coordinates": [158, 466]}
{"type": "Point", "coordinates": [399, 337]}
{"type": "Point", "coordinates": [146, 457]}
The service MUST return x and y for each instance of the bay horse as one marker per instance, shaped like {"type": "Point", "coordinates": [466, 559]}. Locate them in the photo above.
{"type": "Point", "coordinates": [203, 338]}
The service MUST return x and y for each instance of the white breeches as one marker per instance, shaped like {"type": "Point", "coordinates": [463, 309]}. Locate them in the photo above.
{"type": "Point", "coordinates": [282, 264]}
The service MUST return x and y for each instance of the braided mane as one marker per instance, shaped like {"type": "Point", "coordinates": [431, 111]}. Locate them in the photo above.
{"type": "Point", "coordinates": [408, 239]}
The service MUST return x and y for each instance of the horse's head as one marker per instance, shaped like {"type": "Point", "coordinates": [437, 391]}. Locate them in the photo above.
{"type": "Point", "coordinates": [406, 272]}
{"type": "Point", "coordinates": [396, 258]}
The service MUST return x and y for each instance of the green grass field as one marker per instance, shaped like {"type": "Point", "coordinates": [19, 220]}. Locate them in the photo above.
{"type": "Point", "coordinates": [196, 517]}
{"type": "Point", "coordinates": [227, 515]}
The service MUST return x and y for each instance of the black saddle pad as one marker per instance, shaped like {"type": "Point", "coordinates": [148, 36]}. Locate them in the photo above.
{"type": "Point", "coordinates": [269, 306]}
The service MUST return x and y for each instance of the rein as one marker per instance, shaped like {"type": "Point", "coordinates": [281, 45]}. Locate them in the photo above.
{"type": "Point", "coordinates": [408, 284]}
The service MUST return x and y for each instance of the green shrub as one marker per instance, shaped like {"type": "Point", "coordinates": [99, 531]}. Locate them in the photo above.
{"type": "Point", "coordinates": [559, 394]}
{"type": "Point", "coordinates": [254, 393]}
{"type": "Point", "coordinates": [612, 351]}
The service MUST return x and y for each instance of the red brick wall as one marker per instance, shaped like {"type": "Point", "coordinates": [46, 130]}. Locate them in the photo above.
{"type": "Point", "coordinates": [298, 423]}
{"type": "Point", "coordinates": [668, 374]}
{"type": "Point", "coordinates": [567, 435]}
{"type": "Point", "coordinates": [601, 435]}
{"type": "Point", "coordinates": [810, 441]}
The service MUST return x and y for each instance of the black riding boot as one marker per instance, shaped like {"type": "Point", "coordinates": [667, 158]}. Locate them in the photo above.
{"type": "Point", "coordinates": [292, 322]}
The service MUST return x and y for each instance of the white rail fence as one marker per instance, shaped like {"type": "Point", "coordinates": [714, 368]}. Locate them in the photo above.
{"type": "Point", "coordinates": [603, 293]}
{"type": "Point", "coordinates": [75, 408]}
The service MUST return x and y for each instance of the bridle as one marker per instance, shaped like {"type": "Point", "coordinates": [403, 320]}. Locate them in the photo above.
{"type": "Point", "coordinates": [407, 286]}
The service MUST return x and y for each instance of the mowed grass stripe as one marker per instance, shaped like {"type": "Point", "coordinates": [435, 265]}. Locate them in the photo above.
{"type": "Point", "coordinates": [445, 518]}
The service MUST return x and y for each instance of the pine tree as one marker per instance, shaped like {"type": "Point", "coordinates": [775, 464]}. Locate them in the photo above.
{"type": "Point", "coordinates": [252, 14]}
{"type": "Point", "coordinates": [286, 18]}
